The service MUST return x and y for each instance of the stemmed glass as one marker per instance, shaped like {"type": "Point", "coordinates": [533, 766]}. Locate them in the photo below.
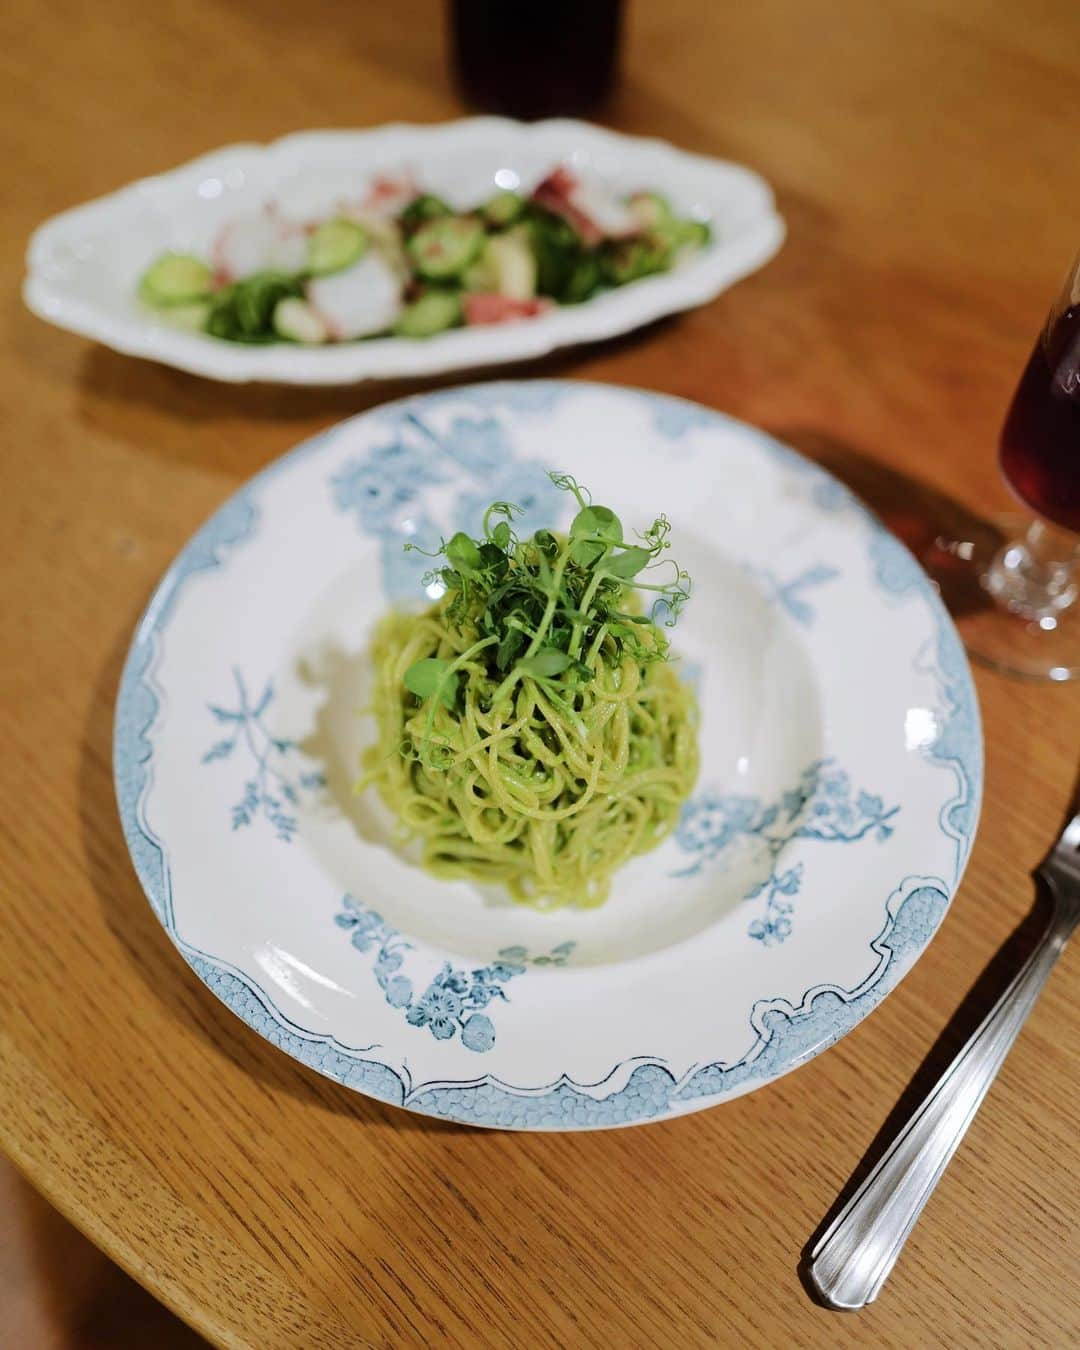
{"type": "Point", "coordinates": [1032, 628]}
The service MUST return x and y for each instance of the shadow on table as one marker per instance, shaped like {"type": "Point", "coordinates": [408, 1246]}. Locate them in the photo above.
{"type": "Point", "coordinates": [159, 966]}
{"type": "Point", "coordinates": [920, 515]}
{"type": "Point", "coordinates": [153, 407]}
{"type": "Point", "coordinates": [975, 1006]}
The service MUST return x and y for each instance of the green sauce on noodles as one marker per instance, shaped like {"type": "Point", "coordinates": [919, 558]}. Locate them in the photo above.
{"type": "Point", "coordinates": [532, 731]}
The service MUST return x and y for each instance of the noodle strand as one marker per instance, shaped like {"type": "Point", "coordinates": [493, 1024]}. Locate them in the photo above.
{"type": "Point", "coordinates": [546, 791]}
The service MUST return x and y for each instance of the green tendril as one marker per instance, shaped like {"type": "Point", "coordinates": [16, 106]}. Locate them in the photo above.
{"type": "Point", "coordinates": [537, 604]}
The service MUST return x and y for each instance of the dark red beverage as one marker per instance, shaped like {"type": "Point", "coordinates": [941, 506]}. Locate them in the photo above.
{"type": "Point", "coordinates": [1040, 442]}
{"type": "Point", "coordinates": [535, 60]}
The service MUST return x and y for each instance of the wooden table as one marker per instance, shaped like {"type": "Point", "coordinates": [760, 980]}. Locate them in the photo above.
{"type": "Point", "coordinates": [924, 152]}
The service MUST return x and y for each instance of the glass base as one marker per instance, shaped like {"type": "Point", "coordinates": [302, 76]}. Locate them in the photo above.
{"type": "Point", "coordinates": [973, 576]}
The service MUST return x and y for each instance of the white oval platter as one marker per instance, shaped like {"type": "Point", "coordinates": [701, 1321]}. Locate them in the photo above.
{"type": "Point", "coordinates": [83, 265]}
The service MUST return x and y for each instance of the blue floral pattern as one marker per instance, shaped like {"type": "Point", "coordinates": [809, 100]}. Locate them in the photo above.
{"type": "Point", "coordinates": [558, 956]}
{"type": "Point", "coordinates": [478, 444]}
{"type": "Point", "coordinates": [385, 490]}
{"type": "Point", "coordinates": [450, 1004]}
{"type": "Point", "coordinates": [830, 495]}
{"type": "Point", "coordinates": [782, 1033]}
{"type": "Point", "coordinates": [821, 806]}
{"type": "Point", "coordinates": [674, 417]}
{"type": "Point", "coordinates": [520, 396]}
{"type": "Point", "coordinates": [775, 924]}
{"type": "Point", "coordinates": [789, 594]}
{"type": "Point", "coordinates": [270, 793]}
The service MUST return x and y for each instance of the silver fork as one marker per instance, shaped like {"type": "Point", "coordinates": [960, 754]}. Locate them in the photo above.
{"type": "Point", "coordinates": [851, 1260]}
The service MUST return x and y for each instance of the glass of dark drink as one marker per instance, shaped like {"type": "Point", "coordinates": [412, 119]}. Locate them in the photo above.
{"type": "Point", "coordinates": [1033, 626]}
{"type": "Point", "coordinates": [535, 60]}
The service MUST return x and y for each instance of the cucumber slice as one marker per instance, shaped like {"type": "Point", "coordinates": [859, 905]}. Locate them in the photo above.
{"type": "Point", "coordinates": [651, 209]}
{"type": "Point", "coordinates": [503, 209]}
{"type": "Point", "coordinates": [297, 321]}
{"type": "Point", "coordinates": [513, 263]}
{"type": "Point", "coordinates": [631, 259]}
{"type": "Point", "coordinates": [422, 209]}
{"type": "Point", "coordinates": [189, 318]}
{"type": "Point", "coordinates": [678, 236]}
{"type": "Point", "coordinates": [694, 234]}
{"type": "Point", "coordinates": [384, 239]}
{"type": "Point", "coordinates": [664, 238]}
{"type": "Point", "coordinates": [175, 279]}
{"type": "Point", "coordinates": [432, 313]}
{"type": "Point", "coordinates": [335, 245]}
{"type": "Point", "coordinates": [444, 248]}
{"type": "Point", "coordinates": [480, 276]}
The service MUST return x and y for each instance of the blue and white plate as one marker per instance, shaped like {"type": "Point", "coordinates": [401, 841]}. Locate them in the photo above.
{"type": "Point", "coordinates": [839, 793]}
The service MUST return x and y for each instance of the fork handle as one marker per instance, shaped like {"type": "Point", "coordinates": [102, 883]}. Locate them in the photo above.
{"type": "Point", "coordinates": [852, 1259]}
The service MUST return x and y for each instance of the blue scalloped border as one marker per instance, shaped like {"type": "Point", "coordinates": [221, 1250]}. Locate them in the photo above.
{"type": "Point", "coordinates": [784, 1035]}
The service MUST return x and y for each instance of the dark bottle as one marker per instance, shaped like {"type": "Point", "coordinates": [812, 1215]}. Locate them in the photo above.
{"type": "Point", "coordinates": [526, 59]}
{"type": "Point", "coordinates": [1040, 442]}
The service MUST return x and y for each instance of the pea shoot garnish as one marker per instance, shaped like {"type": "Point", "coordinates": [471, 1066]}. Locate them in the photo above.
{"type": "Point", "coordinates": [550, 607]}
{"type": "Point", "coordinates": [533, 732]}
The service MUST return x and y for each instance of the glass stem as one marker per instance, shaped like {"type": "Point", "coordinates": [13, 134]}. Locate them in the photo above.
{"type": "Point", "coordinates": [1036, 577]}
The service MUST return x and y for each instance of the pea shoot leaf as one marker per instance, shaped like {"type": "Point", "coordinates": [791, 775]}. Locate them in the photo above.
{"type": "Point", "coordinates": [548, 606]}
{"type": "Point", "coordinates": [430, 677]}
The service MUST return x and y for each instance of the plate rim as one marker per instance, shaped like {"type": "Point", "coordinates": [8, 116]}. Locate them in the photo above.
{"type": "Point", "coordinates": [137, 706]}
{"type": "Point", "coordinates": [401, 358]}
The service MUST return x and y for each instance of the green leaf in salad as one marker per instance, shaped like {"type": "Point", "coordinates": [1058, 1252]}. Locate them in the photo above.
{"type": "Point", "coordinates": [558, 250]}
{"type": "Point", "coordinates": [625, 260]}
{"type": "Point", "coordinates": [244, 311]}
{"type": "Point", "coordinates": [584, 281]}
{"type": "Point", "coordinates": [422, 209]}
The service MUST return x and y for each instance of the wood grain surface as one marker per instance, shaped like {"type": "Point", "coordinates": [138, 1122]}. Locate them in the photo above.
{"type": "Point", "coordinates": [60, 1292]}
{"type": "Point", "coordinates": [925, 155]}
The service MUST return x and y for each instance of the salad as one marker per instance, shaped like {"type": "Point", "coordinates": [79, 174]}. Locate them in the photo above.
{"type": "Point", "coordinates": [403, 262]}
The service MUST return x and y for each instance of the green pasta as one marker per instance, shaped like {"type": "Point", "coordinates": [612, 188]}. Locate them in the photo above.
{"type": "Point", "coordinates": [532, 730]}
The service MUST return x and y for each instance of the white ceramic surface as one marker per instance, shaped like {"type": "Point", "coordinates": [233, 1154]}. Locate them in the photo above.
{"type": "Point", "coordinates": [837, 802]}
{"type": "Point", "coordinates": [83, 265]}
